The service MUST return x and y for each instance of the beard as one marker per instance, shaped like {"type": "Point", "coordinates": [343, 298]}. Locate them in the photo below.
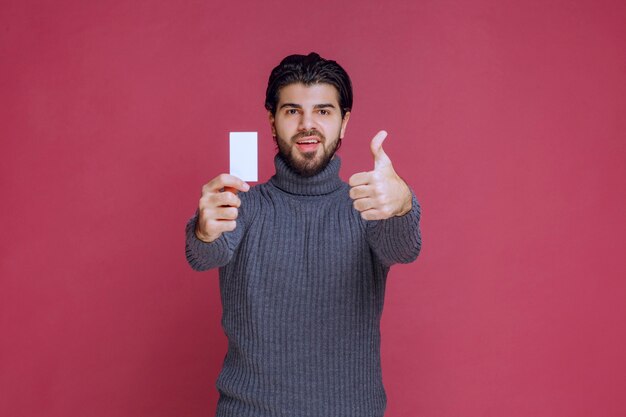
{"type": "Point", "coordinates": [310, 164]}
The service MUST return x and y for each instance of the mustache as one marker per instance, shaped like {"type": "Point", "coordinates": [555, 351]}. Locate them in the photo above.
{"type": "Point", "coordinates": [308, 133]}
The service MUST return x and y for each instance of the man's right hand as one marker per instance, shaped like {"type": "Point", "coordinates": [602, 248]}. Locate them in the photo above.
{"type": "Point", "coordinates": [218, 207]}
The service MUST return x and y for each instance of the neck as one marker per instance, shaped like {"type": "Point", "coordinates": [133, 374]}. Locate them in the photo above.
{"type": "Point", "coordinates": [324, 182]}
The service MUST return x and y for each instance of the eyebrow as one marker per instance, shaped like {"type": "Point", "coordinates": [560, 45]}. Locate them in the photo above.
{"type": "Point", "coordinates": [317, 106]}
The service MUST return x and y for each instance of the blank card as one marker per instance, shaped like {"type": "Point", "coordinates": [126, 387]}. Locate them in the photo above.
{"type": "Point", "coordinates": [244, 155]}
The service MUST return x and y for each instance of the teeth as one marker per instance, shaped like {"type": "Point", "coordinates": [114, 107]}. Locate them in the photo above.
{"type": "Point", "coordinates": [308, 141]}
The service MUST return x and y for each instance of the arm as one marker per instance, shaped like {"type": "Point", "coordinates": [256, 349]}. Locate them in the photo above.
{"type": "Point", "coordinates": [389, 208]}
{"type": "Point", "coordinates": [207, 255]}
{"type": "Point", "coordinates": [396, 239]}
{"type": "Point", "coordinates": [213, 234]}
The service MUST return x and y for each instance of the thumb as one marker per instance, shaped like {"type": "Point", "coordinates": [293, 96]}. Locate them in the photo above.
{"type": "Point", "coordinates": [381, 159]}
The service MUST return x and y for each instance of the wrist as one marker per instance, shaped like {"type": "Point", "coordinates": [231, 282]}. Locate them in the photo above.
{"type": "Point", "coordinates": [202, 237]}
{"type": "Point", "coordinates": [407, 204]}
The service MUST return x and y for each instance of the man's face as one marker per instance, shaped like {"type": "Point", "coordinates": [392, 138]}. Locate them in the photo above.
{"type": "Point", "coordinates": [308, 126]}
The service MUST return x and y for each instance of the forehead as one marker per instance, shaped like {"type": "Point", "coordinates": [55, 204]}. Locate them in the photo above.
{"type": "Point", "coordinates": [299, 93]}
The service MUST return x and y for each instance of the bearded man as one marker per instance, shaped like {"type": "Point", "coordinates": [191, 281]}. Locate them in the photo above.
{"type": "Point", "coordinates": [304, 258]}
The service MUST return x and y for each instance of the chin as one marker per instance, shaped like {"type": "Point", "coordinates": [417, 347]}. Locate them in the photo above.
{"type": "Point", "coordinates": [308, 167]}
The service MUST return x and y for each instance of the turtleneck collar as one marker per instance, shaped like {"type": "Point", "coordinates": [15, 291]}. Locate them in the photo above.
{"type": "Point", "coordinates": [324, 182]}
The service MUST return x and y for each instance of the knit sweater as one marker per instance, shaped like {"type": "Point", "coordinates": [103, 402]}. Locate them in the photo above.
{"type": "Point", "coordinates": [302, 282]}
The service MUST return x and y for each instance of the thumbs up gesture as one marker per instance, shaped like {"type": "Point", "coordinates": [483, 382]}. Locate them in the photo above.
{"type": "Point", "coordinates": [381, 193]}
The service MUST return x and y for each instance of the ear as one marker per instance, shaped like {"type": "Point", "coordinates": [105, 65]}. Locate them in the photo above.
{"type": "Point", "coordinates": [272, 125]}
{"type": "Point", "coordinates": [344, 124]}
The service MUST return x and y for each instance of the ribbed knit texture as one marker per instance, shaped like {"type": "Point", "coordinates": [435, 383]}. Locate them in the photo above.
{"type": "Point", "coordinates": [302, 283]}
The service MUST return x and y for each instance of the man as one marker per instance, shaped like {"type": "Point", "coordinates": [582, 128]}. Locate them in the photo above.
{"type": "Point", "coordinates": [304, 258]}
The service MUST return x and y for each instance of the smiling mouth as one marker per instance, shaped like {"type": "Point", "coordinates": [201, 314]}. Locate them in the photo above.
{"type": "Point", "coordinates": [308, 140]}
{"type": "Point", "coordinates": [308, 145]}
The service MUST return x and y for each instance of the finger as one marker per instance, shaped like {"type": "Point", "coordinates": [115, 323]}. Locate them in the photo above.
{"type": "Point", "coordinates": [226, 180]}
{"type": "Point", "coordinates": [361, 191]}
{"type": "Point", "coordinates": [381, 159]}
{"type": "Point", "coordinates": [372, 215]}
{"type": "Point", "coordinates": [226, 213]}
{"type": "Point", "coordinates": [211, 213]}
{"type": "Point", "coordinates": [209, 230]}
{"type": "Point", "coordinates": [225, 199]}
{"type": "Point", "coordinates": [363, 204]}
{"type": "Point", "coordinates": [221, 226]}
{"type": "Point", "coordinates": [211, 200]}
{"type": "Point", "coordinates": [361, 178]}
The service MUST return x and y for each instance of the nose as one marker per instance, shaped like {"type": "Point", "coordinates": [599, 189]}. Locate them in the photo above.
{"type": "Point", "coordinates": [306, 121]}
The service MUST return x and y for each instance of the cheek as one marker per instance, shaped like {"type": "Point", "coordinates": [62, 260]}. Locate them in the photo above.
{"type": "Point", "coordinates": [333, 130]}
{"type": "Point", "coordinates": [284, 127]}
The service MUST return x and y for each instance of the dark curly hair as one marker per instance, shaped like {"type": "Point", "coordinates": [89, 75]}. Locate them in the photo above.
{"type": "Point", "coordinates": [309, 69]}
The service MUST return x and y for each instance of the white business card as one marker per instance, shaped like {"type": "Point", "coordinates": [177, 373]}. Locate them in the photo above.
{"type": "Point", "coordinates": [244, 155]}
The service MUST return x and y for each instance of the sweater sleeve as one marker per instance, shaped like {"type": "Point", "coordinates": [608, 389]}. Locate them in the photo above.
{"type": "Point", "coordinates": [397, 239]}
{"type": "Point", "coordinates": [202, 255]}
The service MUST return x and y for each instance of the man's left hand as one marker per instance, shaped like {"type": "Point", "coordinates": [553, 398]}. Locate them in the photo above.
{"type": "Point", "coordinates": [381, 193]}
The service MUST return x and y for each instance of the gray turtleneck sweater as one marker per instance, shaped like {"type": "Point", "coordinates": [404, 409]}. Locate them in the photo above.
{"type": "Point", "coordinates": [302, 282]}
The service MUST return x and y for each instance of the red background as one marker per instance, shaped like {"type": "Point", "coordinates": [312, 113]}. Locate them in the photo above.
{"type": "Point", "coordinates": [506, 117]}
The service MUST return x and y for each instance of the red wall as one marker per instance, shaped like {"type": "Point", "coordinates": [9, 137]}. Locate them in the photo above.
{"type": "Point", "coordinates": [506, 117]}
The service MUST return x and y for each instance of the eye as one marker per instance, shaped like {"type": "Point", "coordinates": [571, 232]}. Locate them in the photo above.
{"type": "Point", "coordinates": [292, 111]}
{"type": "Point", "coordinates": [324, 112]}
